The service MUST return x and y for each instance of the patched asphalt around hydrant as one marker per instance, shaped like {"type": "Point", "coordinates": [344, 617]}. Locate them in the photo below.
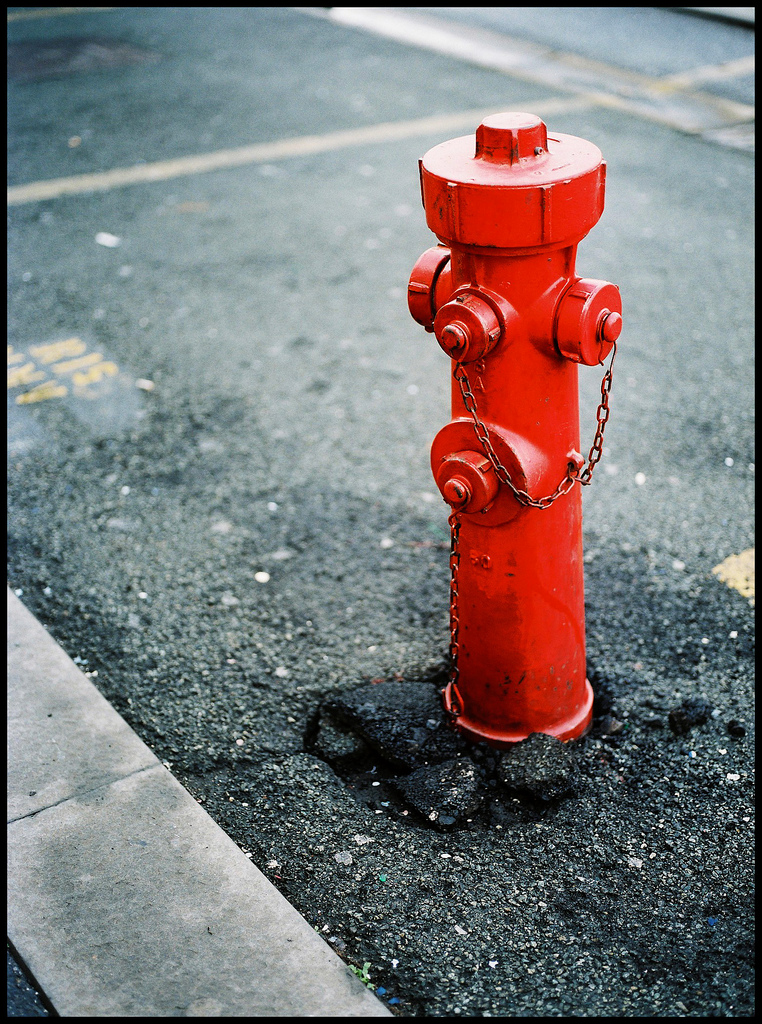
{"type": "Point", "coordinates": [399, 730]}
{"type": "Point", "coordinates": [228, 520]}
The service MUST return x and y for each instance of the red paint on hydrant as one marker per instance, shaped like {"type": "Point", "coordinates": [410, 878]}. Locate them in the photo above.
{"type": "Point", "coordinates": [509, 207]}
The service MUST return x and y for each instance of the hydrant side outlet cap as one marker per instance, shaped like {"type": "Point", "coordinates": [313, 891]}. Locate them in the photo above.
{"type": "Point", "coordinates": [512, 185]}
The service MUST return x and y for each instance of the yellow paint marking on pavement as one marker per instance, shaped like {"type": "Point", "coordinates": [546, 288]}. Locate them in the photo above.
{"type": "Point", "coordinates": [55, 12]}
{"type": "Point", "coordinates": [85, 368]}
{"type": "Point", "coordinates": [266, 152]}
{"type": "Point", "coordinates": [50, 389]}
{"type": "Point", "coordinates": [191, 207]}
{"type": "Point", "coordinates": [58, 350]}
{"type": "Point", "coordinates": [23, 375]}
{"type": "Point", "coordinates": [738, 572]}
{"type": "Point", "coordinates": [82, 378]}
{"type": "Point", "coordinates": [77, 364]}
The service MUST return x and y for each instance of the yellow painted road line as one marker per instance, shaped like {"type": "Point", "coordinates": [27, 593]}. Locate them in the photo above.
{"type": "Point", "coordinates": [737, 571]}
{"type": "Point", "coordinates": [711, 73]}
{"type": "Point", "coordinates": [268, 152]}
{"type": "Point", "coordinates": [55, 12]}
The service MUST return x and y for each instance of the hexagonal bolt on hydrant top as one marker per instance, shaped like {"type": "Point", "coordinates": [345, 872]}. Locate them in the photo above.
{"type": "Point", "coordinates": [500, 293]}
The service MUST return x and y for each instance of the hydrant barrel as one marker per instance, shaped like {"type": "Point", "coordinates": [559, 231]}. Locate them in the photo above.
{"type": "Point", "coordinates": [509, 205]}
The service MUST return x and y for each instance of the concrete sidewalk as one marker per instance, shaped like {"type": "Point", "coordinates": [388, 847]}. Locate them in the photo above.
{"type": "Point", "coordinates": [125, 898]}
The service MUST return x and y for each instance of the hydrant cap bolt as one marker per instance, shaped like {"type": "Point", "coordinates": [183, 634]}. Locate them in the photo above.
{"type": "Point", "coordinates": [456, 492]}
{"type": "Point", "coordinates": [454, 336]}
{"type": "Point", "coordinates": [507, 138]}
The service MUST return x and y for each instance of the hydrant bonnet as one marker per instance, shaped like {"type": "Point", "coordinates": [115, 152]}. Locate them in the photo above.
{"type": "Point", "coordinates": [511, 185]}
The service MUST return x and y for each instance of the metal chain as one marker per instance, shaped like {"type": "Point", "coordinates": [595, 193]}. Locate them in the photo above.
{"type": "Point", "coordinates": [602, 416]}
{"type": "Point", "coordinates": [456, 706]}
{"type": "Point", "coordinates": [574, 474]}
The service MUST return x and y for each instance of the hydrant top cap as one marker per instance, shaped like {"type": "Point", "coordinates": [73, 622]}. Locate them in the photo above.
{"type": "Point", "coordinates": [513, 184]}
{"type": "Point", "coordinates": [512, 150]}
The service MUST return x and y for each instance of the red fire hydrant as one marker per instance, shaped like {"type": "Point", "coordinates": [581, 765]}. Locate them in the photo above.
{"type": "Point", "coordinates": [500, 293]}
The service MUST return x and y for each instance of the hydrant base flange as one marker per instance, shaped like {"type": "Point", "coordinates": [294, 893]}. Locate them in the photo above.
{"type": "Point", "coordinates": [570, 729]}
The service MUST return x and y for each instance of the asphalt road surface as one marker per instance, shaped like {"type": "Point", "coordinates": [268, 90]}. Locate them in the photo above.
{"type": "Point", "coordinates": [220, 501]}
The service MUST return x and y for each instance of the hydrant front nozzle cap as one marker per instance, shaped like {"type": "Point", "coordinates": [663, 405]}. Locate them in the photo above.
{"type": "Point", "coordinates": [506, 138]}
